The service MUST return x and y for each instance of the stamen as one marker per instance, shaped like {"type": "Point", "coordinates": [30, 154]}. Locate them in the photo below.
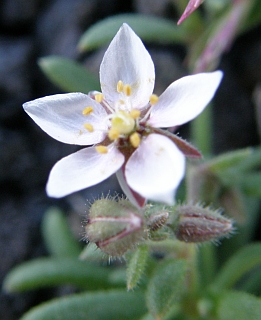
{"type": "Point", "coordinates": [120, 86]}
{"type": "Point", "coordinates": [88, 127]}
{"type": "Point", "coordinates": [154, 99]}
{"type": "Point", "coordinates": [135, 139]}
{"type": "Point", "coordinates": [127, 90]}
{"type": "Point", "coordinates": [135, 114]}
{"type": "Point", "coordinates": [99, 97]}
{"type": "Point", "coordinates": [87, 111]}
{"type": "Point", "coordinates": [113, 134]}
{"type": "Point", "coordinates": [101, 149]}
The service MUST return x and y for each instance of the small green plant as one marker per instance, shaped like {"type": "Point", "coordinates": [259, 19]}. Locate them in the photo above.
{"type": "Point", "coordinates": [171, 266]}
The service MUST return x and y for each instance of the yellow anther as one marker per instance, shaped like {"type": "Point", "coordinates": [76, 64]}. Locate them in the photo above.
{"type": "Point", "coordinates": [120, 86]}
{"type": "Point", "coordinates": [99, 97]}
{"type": "Point", "coordinates": [127, 90]}
{"type": "Point", "coordinates": [135, 114]}
{"type": "Point", "coordinates": [113, 134]}
{"type": "Point", "coordinates": [88, 127]}
{"type": "Point", "coordinates": [135, 139]}
{"type": "Point", "coordinates": [86, 111]}
{"type": "Point", "coordinates": [101, 149]}
{"type": "Point", "coordinates": [154, 99]}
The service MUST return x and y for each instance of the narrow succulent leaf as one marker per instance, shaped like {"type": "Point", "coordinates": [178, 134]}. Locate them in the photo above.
{"type": "Point", "coordinates": [103, 305]}
{"type": "Point", "coordinates": [166, 287]}
{"type": "Point", "coordinates": [147, 316]}
{"type": "Point", "coordinates": [136, 266]}
{"type": "Point", "coordinates": [228, 160]}
{"type": "Point", "coordinates": [92, 253]}
{"type": "Point", "coordinates": [47, 272]}
{"type": "Point", "coordinates": [57, 236]}
{"type": "Point", "coordinates": [205, 53]}
{"type": "Point", "coordinates": [254, 17]}
{"type": "Point", "coordinates": [251, 162]}
{"type": "Point", "coordinates": [237, 266]}
{"type": "Point", "coordinates": [68, 75]}
{"type": "Point", "coordinates": [252, 283]}
{"type": "Point", "coordinates": [250, 184]}
{"type": "Point", "coordinates": [238, 305]}
{"type": "Point", "coordinates": [148, 28]}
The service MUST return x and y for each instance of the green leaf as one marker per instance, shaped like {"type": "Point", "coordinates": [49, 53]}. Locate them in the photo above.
{"type": "Point", "coordinates": [237, 266]}
{"type": "Point", "coordinates": [228, 160]}
{"type": "Point", "coordinates": [250, 184]}
{"type": "Point", "coordinates": [239, 306]}
{"type": "Point", "coordinates": [147, 27]}
{"type": "Point", "coordinates": [166, 287]}
{"type": "Point", "coordinates": [107, 305]}
{"type": "Point", "coordinates": [254, 17]}
{"type": "Point", "coordinates": [204, 53]}
{"type": "Point", "coordinates": [46, 272]}
{"type": "Point", "coordinates": [57, 236]}
{"type": "Point", "coordinates": [68, 75]}
{"type": "Point", "coordinates": [136, 266]}
{"type": "Point", "coordinates": [92, 253]}
{"type": "Point", "coordinates": [252, 283]}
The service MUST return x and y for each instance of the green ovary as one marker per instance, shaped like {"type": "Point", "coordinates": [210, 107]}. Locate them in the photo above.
{"type": "Point", "coordinates": [123, 122]}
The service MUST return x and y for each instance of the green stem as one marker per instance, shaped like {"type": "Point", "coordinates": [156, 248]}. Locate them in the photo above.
{"type": "Point", "coordinates": [201, 131]}
{"type": "Point", "coordinates": [207, 264]}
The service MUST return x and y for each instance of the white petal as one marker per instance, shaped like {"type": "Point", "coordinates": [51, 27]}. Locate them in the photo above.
{"type": "Point", "coordinates": [61, 117]}
{"type": "Point", "coordinates": [126, 59]}
{"type": "Point", "coordinates": [156, 168]}
{"type": "Point", "coordinates": [136, 199]}
{"type": "Point", "coordinates": [184, 99]}
{"type": "Point", "coordinates": [81, 170]}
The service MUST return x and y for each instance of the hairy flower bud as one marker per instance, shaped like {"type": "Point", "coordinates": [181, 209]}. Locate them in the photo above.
{"type": "Point", "coordinates": [158, 220]}
{"type": "Point", "coordinates": [115, 227]}
{"type": "Point", "coordinates": [198, 224]}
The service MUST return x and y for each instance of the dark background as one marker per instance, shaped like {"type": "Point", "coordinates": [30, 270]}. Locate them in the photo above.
{"type": "Point", "coordinates": [30, 29]}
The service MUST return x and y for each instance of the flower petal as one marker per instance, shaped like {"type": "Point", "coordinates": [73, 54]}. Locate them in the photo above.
{"type": "Point", "coordinates": [184, 99]}
{"type": "Point", "coordinates": [156, 168]}
{"type": "Point", "coordinates": [136, 199]}
{"type": "Point", "coordinates": [61, 117]}
{"type": "Point", "coordinates": [81, 170]}
{"type": "Point", "coordinates": [126, 59]}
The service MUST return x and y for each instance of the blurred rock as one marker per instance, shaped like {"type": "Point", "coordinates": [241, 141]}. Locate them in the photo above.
{"type": "Point", "coordinates": [18, 13]}
{"type": "Point", "coordinates": [15, 87]}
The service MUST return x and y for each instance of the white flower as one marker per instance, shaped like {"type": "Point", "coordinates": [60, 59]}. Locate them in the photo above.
{"type": "Point", "coordinates": [123, 123]}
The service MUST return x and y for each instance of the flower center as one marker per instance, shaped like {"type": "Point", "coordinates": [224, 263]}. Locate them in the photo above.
{"type": "Point", "coordinates": [123, 122]}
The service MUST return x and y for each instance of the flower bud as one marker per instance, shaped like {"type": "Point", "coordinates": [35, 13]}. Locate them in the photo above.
{"type": "Point", "coordinates": [156, 221]}
{"type": "Point", "coordinates": [198, 224]}
{"type": "Point", "coordinates": [115, 227]}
